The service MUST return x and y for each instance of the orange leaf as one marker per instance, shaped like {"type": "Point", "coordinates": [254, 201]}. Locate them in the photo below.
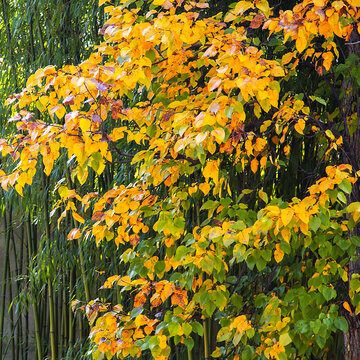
{"type": "Point", "coordinates": [134, 239]}
{"type": "Point", "coordinates": [74, 234]}
{"type": "Point", "coordinates": [254, 165]}
{"type": "Point", "coordinates": [347, 306]}
{"type": "Point", "coordinates": [300, 126]}
{"type": "Point", "coordinates": [179, 298]}
{"type": "Point", "coordinates": [257, 21]}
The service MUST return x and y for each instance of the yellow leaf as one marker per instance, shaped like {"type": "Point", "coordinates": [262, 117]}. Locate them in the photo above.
{"type": "Point", "coordinates": [354, 3]}
{"type": "Point", "coordinates": [285, 339]}
{"type": "Point", "coordinates": [166, 4]}
{"type": "Point", "coordinates": [263, 196]}
{"type": "Point", "coordinates": [124, 281]}
{"type": "Point", "coordinates": [19, 189]}
{"type": "Point", "coordinates": [101, 2]}
{"type": "Point", "coordinates": [163, 341]}
{"type": "Point", "coordinates": [300, 126]}
{"type": "Point", "coordinates": [77, 217]}
{"type": "Point", "coordinates": [286, 234]}
{"type": "Point", "coordinates": [205, 188]}
{"type": "Point", "coordinates": [242, 6]}
{"type": "Point", "coordinates": [84, 124]}
{"type": "Point", "coordinates": [277, 71]}
{"type": "Point", "coordinates": [265, 125]}
{"type": "Point", "coordinates": [199, 139]}
{"type": "Point", "coordinates": [214, 83]}
{"type": "Point", "coordinates": [356, 215]}
{"type": "Point", "coordinates": [216, 353]}
{"type": "Point", "coordinates": [219, 135]}
{"type": "Point", "coordinates": [301, 41]}
{"type": "Point", "coordinates": [287, 58]}
{"type": "Point", "coordinates": [278, 253]}
{"type": "Point", "coordinates": [286, 215]}
{"type": "Point", "coordinates": [108, 284]}
{"type": "Point", "coordinates": [263, 5]}
{"type": "Point", "coordinates": [117, 134]}
{"type": "Point", "coordinates": [179, 298]}
{"type": "Point", "coordinates": [209, 119]}
{"type": "Point", "coordinates": [211, 170]}
{"type": "Point", "coordinates": [320, 3]}
{"type": "Point", "coordinates": [60, 111]}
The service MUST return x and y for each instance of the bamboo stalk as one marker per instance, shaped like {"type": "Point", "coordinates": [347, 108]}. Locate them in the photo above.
{"type": "Point", "coordinates": [52, 319]}
{"type": "Point", "coordinates": [206, 339]}
{"type": "Point", "coordinates": [71, 321]}
{"type": "Point", "coordinates": [4, 278]}
{"type": "Point", "coordinates": [190, 357]}
{"type": "Point", "coordinates": [9, 37]}
{"type": "Point", "coordinates": [17, 324]}
{"type": "Point", "coordinates": [32, 296]}
{"type": "Point", "coordinates": [26, 344]}
{"type": "Point", "coordinates": [21, 315]}
{"type": "Point", "coordinates": [11, 315]}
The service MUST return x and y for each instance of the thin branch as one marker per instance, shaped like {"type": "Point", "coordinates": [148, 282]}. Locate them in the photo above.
{"type": "Point", "coordinates": [352, 43]}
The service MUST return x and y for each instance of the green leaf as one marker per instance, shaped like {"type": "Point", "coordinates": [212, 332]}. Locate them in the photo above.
{"type": "Point", "coordinates": [247, 353]}
{"type": "Point", "coordinates": [342, 197]}
{"type": "Point", "coordinates": [154, 341]}
{"type": "Point", "coordinates": [187, 328]}
{"type": "Point", "coordinates": [198, 328]}
{"type": "Point", "coordinates": [355, 240]}
{"type": "Point", "coordinates": [341, 324]}
{"type": "Point", "coordinates": [160, 267]}
{"type": "Point", "coordinates": [329, 293]}
{"type": "Point", "coordinates": [210, 204]}
{"type": "Point", "coordinates": [181, 251]}
{"type": "Point", "coordinates": [189, 343]}
{"type": "Point", "coordinates": [355, 284]}
{"type": "Point", "coordinates": [314, 223]}
{"type": "Point", "coordinates": [228, 111]}
{"type": "Point", "coordinates": [346, 186]}
{"type": "Point", "coordinates": [136, 311]}
{"type": "Point", "coordinates": [237, 300]}
{"type": "Point", "coordinates": [260, 263]}
{"type": "Point", "coordinates": [151, 55]}
{"type": "Point", "coordinates": [320, 341]}
{"type": "Point", "coordinates": [318, 99]}
{"type": "Point", "coordinates": [174, 328]}
{"type": "Point", "coordinates": [210, 307]}
{"type": "Point", "coordinates": [261, 300]}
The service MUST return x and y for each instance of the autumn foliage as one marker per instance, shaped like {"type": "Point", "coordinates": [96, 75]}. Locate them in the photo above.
{"type": "Point", "coordinates": [203, 110]}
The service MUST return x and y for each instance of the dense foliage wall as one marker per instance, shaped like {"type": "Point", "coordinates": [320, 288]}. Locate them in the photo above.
{"type": "Point", "coordinates": [193, 181]}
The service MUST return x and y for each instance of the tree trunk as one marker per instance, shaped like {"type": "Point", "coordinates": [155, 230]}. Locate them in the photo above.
{"type": "Point", "coordinates": [352, 157]}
